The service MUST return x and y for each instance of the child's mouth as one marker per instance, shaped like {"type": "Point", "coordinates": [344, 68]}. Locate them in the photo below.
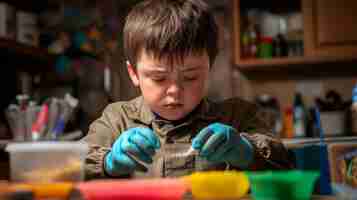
{"type": "Point", "coordinates": [173, 106]}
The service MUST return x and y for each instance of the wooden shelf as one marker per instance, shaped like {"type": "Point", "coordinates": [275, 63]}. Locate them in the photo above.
{"type": "Point", "coordinates": [284, 68]}
{"type": "Point", "coordinates": [326, 52]}
{"type": "Point", "coordinates": [36, 6]}
{"type": "Point", "coordinates": [29, 58]}
{"type": "Point", "coordinates": [252, 64]}
{"type": "Point", "coordinates": [23, 49]}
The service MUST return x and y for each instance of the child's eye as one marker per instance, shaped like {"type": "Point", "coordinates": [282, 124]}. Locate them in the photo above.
{"type": "Point", "coordinates": [158, 79]}
{"type": "Point", "coordinates": [190, 78]}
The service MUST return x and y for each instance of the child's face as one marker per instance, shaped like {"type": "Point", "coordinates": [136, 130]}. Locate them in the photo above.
{"type": "Point", "coordinates": [172, 91]}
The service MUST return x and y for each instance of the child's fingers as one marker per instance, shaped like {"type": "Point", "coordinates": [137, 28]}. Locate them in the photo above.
{"type": "Point", "coordinates": [150, 136]}
{"type": "Point", "coordinates": [138, 164]}
{"type": "Point", "coordinates": [201, 138]}
{"type": "Point", "coordinates": [118, 162]}
{"type": "Point", "coordinates": [213, 143]}
{"type": "Point", "coordinates": [134, 151]}
{"type": "Point", "coordinates": [143, 144]}
{"type": "Point", "coordinates": [220, 154]}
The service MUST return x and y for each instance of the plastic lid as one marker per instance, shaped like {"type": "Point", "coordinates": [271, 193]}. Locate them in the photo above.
{"type": "Point", "coordinates": [267, 39]}
{"type": "Point", "coordinates": [45, 146]}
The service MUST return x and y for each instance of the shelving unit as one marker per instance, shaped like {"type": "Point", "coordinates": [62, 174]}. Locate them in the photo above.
{"type": "Point", "coordinates": [238, 7]}
{"type": "Point", "coordinates": [25, 58]}
{"type": "Point", "coordinates": [256, 64]}
{"type": "Point", "coordinates": [323, 42]}
{"type": "Point", "coordinates": [21, 50]}
{"type": "Point", "coordinates": [36, 6]}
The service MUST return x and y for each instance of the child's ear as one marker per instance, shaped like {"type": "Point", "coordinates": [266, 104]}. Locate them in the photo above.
{"type": "Point", "coordinates": [132, 73]}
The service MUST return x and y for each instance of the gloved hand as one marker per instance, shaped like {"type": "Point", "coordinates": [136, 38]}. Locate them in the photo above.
{"type": "Point", "coordinates": [132, 147]}
{"type": "Point", "coordinates": [221, 143]}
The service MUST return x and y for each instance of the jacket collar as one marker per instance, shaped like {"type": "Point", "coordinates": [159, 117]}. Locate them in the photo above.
{"type": "Point", "coordinates": [138, 110]}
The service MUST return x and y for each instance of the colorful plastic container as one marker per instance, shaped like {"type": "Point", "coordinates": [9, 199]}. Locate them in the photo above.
{"type": "Point", "coordinates": [218, 185]}
{"type": "Point", "coordinates": [282, 185]}
{"type": "Point", "coordinates": [47, 161]}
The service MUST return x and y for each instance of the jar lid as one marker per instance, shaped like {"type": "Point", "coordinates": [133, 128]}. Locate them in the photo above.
{"type": "Point", "coordinates": [267, 39]}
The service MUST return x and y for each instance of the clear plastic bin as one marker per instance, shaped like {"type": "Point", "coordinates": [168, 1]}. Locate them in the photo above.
{"type": "Point", "coordinates": [344, 192]}
{"type": "Point", "coordinates": [172, 160]}
{"type": "Point", "coordinates": [47, 161]}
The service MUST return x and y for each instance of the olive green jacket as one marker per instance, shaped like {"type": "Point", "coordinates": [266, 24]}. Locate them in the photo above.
{"type": "Point", "coordinates": [118, 117]}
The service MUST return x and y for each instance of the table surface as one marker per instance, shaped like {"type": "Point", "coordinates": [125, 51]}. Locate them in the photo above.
{"type": "Point", "coordinates": [315, 197]}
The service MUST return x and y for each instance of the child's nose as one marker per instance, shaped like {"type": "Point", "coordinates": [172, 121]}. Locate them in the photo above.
{"type": "Point", "coordinates": [174, 88]}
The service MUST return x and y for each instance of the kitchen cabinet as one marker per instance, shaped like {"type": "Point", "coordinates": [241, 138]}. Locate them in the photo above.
{"type": "Point", "coordinates": [330, 28]}
{"type": "Point", "coordinates": [239, 8]}
{"type": "Point", "coordinates": [329, 35]}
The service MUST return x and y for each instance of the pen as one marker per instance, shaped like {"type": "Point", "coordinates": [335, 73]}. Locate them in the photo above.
{"type": "Point", "coordinates": [54, 113]}
{"type": "Point", "coordinates": [40, 124]}
{"type": "Point", "coordinates": [12, 113]}
{"type": "Point", "coordinates": [58, 128]}
{"type": "Point", "coordinates": [30, 113]}
{"type": "Point", "coordinates": [67, 106]}
{"type": "Point", "coordinates": [22, 100]}
{"type": "Point", "coordinates": [70, 105]}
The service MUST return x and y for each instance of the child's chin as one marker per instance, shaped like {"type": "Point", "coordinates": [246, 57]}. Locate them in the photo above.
{"type": "Point", "coordinates": [174, 115]}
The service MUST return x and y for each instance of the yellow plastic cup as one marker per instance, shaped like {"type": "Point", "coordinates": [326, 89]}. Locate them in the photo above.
{"type": "Point", "coordinates": [218, 185]}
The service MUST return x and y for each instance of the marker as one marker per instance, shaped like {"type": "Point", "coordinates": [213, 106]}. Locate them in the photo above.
{"type": "Point", "coordinates": [40, 124]}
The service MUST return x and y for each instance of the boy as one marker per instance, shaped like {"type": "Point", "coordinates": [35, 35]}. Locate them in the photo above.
{"type": "Point", "coordinates": [170, 46]}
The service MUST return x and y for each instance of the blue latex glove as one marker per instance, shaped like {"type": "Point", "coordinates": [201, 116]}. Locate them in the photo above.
{"type": "Point", "coordinates": [221, 143]}
{"type": "Point", "coordinates": [134, 146]}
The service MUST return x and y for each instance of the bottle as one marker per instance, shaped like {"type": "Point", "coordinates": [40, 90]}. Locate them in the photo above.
{"type": "Point", "coordinates": [288, 123]}
{"type": "Point", "coordinates": [253, 41]}
{"type": "Point", "coordinates": [280, 46]}
{"type": "Point", "coordinates": [245, 45]}
{"type": "Point", "coordinates": [354, 111]}
{"type": "Point", "coordinates": [266, 47]}
{"type": "Point", "coordinates": [299, 116]}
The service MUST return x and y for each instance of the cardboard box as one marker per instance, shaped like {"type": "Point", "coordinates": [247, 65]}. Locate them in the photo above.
{"type": "Point", "coordinates": [343, 163]}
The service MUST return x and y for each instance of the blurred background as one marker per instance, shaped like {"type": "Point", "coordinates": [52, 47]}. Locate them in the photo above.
{"type": "Point", "coordinates": [62, 62]}
{"type": "Point", "coordinates": [286, 56]}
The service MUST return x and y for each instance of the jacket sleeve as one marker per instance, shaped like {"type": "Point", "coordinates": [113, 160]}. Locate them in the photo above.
{"type": "Point", "coordinates": [100, 137]}
{"type": "Point", "coordinates": [256, 127]}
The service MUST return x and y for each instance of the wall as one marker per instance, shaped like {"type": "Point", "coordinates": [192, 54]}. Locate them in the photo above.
{"type": "Point", "coordinates": [221, 85]}
{"type": "Point", "coordinates": [284, 90]}
{"type": "Point", "coordinates": [122, 87]}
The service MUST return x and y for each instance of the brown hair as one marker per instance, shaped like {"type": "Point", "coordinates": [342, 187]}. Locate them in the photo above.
{"type": "Point", "coordinates": [171, 29]}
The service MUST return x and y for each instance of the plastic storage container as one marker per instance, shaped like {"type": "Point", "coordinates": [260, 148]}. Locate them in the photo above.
{"type": "Point", "coordinates": [47, 161]}
{"type": "Point", "coordinates": [281, 185]}
{"type": "Point", "coordinates": [344, 192]}
{"type": "Point", "coordinates": [174, 160]}
{"type": "Point", "coordinates": [218, 185]}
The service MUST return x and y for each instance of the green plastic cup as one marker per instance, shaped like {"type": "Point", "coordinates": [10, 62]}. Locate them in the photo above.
{"type": "Point", "coordinates": [282, 185]}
